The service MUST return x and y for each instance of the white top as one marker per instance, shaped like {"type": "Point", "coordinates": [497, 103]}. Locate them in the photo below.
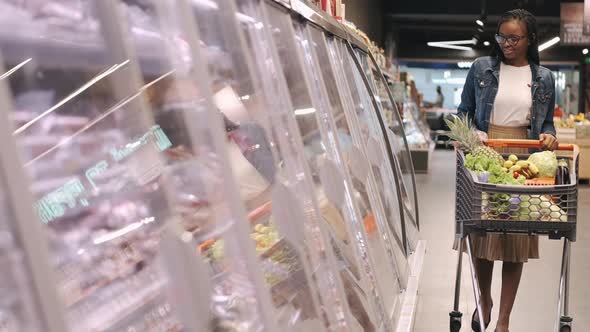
{"type": "Point", "coordinates": [514, 99]}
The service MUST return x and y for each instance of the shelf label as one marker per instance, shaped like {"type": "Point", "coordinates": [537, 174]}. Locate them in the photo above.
{"type": "Point", "coordinates": [53, 205]}
{"type": "Point", "coordinates": [145, 166]}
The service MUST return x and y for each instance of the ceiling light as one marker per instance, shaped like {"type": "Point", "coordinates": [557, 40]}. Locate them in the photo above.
{"type": "Point", "coordinates": [479, 22]}
{"type": "Point", "coordinates": [449, 46]}
{"type": "Point", "coordinates": [464, 64]}
{"type": "Point", "coordinates": [304, 111]}
{"type": "Point", "coordinates": [548, 44]}
{"type": "Point", "coordinates": [472, 41]}
{"type": "Point", "coordinates": [585, 51]}
{"type": "Point", "coordinates": [486, 43]}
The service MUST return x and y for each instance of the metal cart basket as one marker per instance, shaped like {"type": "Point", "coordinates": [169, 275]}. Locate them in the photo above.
{"type": "Point", "coordinates": [538, 208]}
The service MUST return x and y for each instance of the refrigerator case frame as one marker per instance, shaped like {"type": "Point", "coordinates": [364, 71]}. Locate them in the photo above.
{"type": "Point", "coordinates": [380, 159]}
{"type": "Point", "coordinates": [390, 160]}
{"type": "Point", "coordinates": [337, 62]}
{"type": "Point", "coordinates": [338, 174]}
{"type": "Point", "coordinates": [412, 229]}
{"type": "Point", "coordinates": [28, 232]}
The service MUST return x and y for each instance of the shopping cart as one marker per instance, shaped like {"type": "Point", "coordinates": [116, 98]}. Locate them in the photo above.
{"type": "Point", "coordinates": [536, 208]}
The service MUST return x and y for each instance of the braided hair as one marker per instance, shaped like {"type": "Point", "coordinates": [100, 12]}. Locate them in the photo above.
{"type": "Point", "coordinates": [531, 26]}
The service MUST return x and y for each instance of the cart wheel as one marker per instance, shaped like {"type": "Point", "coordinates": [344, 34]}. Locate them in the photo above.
{"type": "Point", "coordinates": [455, 321]}
{"type": "Point", "coordinates": [565, 324]}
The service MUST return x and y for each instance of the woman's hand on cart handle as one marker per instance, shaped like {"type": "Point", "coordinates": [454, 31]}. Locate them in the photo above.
{"type": "Point", "coordinates": [549, 142]}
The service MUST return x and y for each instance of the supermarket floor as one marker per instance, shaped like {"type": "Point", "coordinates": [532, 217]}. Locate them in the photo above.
{"type": "Point", "coordinates": [535, 308]}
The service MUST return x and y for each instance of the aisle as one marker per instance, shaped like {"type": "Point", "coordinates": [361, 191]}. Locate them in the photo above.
{"type": "Point", "coordinates": [535, 306]}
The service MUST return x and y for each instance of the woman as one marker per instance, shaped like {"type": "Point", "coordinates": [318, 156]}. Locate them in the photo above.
{"type": "Point", "coordinates": [509, 96]}
{"type": "Point", "coordinates": [440, 98]}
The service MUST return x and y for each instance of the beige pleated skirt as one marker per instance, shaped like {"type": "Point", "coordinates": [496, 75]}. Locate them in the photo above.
{"type": "Point", "coordinates": [514, 248]}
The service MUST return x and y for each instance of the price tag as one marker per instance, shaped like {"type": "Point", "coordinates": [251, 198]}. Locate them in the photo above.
{"type": "Point", "coordinates": [145, 164]}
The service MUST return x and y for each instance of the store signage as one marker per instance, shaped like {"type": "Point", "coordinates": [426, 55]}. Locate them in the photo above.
{"type": "Point", "coordinates": [73, 192]}
{"type": "Point", "coordinates": [572, 25]}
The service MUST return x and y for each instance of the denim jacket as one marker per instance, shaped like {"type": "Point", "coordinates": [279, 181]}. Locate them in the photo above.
{"type": "Point", "coordinates": [481, 87]}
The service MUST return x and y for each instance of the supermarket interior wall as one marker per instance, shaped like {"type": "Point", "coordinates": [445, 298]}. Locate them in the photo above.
{"type": "Point", "coordinates": [367, 15]}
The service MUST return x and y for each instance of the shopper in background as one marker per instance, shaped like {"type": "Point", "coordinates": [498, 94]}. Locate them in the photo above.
{"type": "Point", "coordinates": [440, 99]}
{"type": "Point", "coordinates": [509, 96]}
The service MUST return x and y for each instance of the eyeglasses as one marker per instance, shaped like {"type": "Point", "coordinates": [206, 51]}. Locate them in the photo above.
{"type": "Point", "coordinates": [512, 40]}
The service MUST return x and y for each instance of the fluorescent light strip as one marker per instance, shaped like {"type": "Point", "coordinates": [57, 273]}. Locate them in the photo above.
{"type": "Point", "coordinates": [15, 68]}
{"type": "Point", "coordinates": [100, 118]}
{"type": "Point", "coordinates": [206, 3]}
{"type": "Point", "coordinates": [71, 96]}
{"type": "Point", "coordinates": [304, 111]}
{"type": "Point", "coordinates": [458, 42]}
{"type": "Point", "coordinates": [549, 43]}
{"type": "Point", "coordinates": [122, 231]}
{"type": "Point", "coordinates": [453, 47]}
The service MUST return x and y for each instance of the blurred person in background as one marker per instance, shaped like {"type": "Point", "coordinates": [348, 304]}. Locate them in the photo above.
{"type": "Point", "coordinates": [508, 96]}
{"type": "Point", "coordinates": [440, 99]}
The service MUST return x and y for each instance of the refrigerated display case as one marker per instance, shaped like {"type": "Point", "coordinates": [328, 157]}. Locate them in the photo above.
{"type": "Point", "coordinates": [397, 143]}
{"type": "Point", "coordinates": [200, 165]}
{"type": "Point", "coordinates": [418, 135]}
{"type": "Point", "coordinates": [363, 203]}
{"type": "Point", "coordinates": [129, 181]}
{"type": "Point", "coordinates": [296, 256]}
{"type": "Point", "coordinates": [363, 116]}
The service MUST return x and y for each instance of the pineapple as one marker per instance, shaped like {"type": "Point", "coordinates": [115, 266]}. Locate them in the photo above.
{"type": "Point", "coordinates": [462, 131]}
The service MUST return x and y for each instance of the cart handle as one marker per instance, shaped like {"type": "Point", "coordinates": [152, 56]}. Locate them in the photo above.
{"type": "Point", "coordinates": [524, 143]}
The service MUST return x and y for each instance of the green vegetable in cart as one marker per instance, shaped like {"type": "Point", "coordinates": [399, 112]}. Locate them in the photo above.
{"type": "Point", "coordinates": [546, 162]}
{"type": "Point", "coordinates": [498, 174]}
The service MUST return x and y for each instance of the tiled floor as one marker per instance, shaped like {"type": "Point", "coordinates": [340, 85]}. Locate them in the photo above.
{"type": "Point", "coordinates": [535, 308]}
